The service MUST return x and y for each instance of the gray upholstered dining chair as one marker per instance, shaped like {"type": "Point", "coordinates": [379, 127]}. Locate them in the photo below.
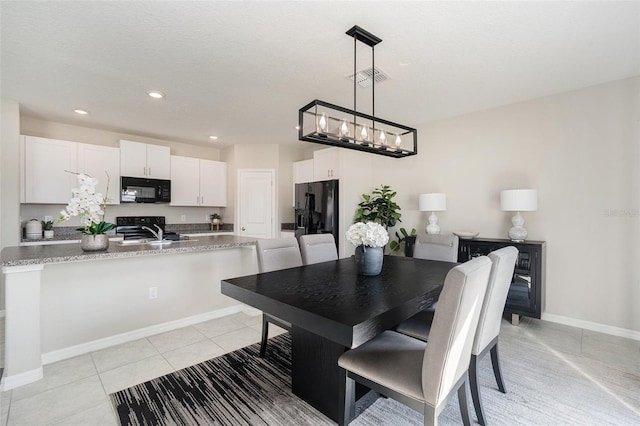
{"type": "Point", "coordinates": [275, 254]}
{"type": "Point", "coordinates": [423, 376]}
{"type": "Point", "coordinates": [442, 247]}
{"type": "Point", "coordinates": [486, 337]}
{"type": "Point", "coordinates": [316, 248]}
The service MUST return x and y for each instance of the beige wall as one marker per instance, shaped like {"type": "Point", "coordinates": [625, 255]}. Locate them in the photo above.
{"type": "Point", "coordinates": [580, 150]}
{"type": "Point", "coordinates": [35, 127]}
{"type": "Point", "coordinates": [264, 156]}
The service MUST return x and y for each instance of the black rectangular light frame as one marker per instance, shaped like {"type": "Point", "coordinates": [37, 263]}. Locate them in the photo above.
{"type": "Point", "coordinates": [350, 143]}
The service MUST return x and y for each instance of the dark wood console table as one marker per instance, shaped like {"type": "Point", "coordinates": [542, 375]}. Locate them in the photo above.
{"type": "Point", "coordinates": [332, 308]}
{"type": "Point", "coordinates": [526, 294]}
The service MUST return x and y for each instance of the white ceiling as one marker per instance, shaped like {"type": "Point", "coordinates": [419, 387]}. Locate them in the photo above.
{"type": "Point", "coordinates": [241, 70]}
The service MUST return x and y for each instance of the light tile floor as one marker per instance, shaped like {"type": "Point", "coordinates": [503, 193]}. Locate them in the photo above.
{"type": "Point", "coordinates": [75, 391]}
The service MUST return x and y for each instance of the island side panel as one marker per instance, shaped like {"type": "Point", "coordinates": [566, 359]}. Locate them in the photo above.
{"type": "Point", "coordinates": [83, 302]}
{"type": "Point", "coordinates": [22, 325]}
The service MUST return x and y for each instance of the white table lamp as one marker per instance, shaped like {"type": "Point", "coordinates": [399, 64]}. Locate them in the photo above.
{"type": "Point", "coordinates": [434, 202]}
{"type": "Point", "coordinates": [518, 200]}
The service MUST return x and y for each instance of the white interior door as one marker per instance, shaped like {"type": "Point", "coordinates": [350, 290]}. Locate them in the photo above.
{"type": "Point", "coordinates": [256, 203]}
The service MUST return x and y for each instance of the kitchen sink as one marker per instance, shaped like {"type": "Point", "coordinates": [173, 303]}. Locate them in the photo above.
{"type": "Point", "coordinates": [154, 243]}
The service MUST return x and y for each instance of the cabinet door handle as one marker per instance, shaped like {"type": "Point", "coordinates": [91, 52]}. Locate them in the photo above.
{"type": "Point", "coordinates": [149, 171]}
{"type": "Point", "coordinates": [202, 200]}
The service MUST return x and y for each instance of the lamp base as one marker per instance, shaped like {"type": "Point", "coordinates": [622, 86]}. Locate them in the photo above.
{"type": "Point", "coordinates": [433, 227]}
{"type": "Point", "coordinates": [517, 233]}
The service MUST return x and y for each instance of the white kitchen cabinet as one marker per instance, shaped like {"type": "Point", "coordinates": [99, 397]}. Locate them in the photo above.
{"type": "Point", "coordinates": [95, 160]}
{"type": "Point", "coordinates": [46, 167]}
{"type": "Point", "coordinates": [144, 160]}
{"type": "Point", "coordinates": [213, 183]}
{"type": "Point", "coordinates": [185, 181]}
{"type": "Point", "coordinates": [303, 171]}
{"type": "Point", "coordinates": [326, 164]}
{"type": "Point", "coordinates": [197, 182]}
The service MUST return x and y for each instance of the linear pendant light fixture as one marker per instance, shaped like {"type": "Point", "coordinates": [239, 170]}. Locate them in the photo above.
{"type": "Point", "coordinates": [328, 124]}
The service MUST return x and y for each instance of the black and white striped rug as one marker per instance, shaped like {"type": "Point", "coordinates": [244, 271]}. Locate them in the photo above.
{"type": "Point", "coordinates": [240, 388]}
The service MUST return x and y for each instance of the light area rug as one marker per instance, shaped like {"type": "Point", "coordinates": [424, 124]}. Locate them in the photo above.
{"type": "Point", "coordinates": [240, 388]}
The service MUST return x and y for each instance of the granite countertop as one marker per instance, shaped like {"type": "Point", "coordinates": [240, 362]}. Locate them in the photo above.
{"type": "Point", "coordinates": [59, 253]}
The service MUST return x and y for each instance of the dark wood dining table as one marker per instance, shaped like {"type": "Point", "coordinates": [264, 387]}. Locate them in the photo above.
{"type": "Point", "coordinates": [332, 309]}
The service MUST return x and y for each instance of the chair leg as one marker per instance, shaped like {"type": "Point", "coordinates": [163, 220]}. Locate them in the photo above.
{"type": "Point", "coordinates": [475, 390]}
{"type": "Point", "coordinates": [347, 399]}
{"type": "Point", "coordinates": [464, 404]}
{"type": "Point", "coordinates": [495, 361]}
{"type": "Point", "coordinates": [430, 416]}
{"type": "Point", "coordinates": [265, 335]}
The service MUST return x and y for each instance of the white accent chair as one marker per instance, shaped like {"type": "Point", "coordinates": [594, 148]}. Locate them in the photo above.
{"type": "Point", "coordinates": [275, 254]}
{"type": "Point", "coordinates": [316, 248]}
{"type": "Point", "coordinates": [420, 375]}
{"type": "Point", "coordinates": [486, 337]}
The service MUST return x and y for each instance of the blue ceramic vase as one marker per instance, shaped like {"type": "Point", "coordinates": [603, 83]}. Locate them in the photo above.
{"type": "Point", "coordinates": [369, 260]}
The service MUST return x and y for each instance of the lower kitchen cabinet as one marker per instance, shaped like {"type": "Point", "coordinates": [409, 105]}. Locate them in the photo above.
{"type": "Point", "coordinates": [526, 294]}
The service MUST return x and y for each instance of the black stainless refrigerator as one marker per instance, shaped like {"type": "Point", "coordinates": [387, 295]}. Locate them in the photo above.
{"type": "Point", "coordinates": [316, 208]}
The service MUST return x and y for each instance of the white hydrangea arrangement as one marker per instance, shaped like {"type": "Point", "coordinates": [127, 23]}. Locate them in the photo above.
{"type": "Point", "coordinates": [368, 234]}
{"type": "Point", "coordinates": [89, 205]}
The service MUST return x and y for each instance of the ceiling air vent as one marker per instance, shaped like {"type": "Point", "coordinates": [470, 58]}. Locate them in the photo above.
{"type": "Point", "coordinates": [365, 77]}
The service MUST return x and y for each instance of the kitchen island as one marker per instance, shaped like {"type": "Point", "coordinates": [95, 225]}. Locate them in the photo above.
{"type": "Point", "coordinates": [62, 302]}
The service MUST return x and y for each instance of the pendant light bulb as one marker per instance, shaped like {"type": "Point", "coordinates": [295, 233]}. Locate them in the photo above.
{"type": "Point", "coordinates": [322, 123]}
{"type": "Point", "coordinates": [363, 133]}
{"type": "Point", "coordinates": [344, 129]}
{"type": "Point", "coordinates": [382, 138]}
{"type": "Point", "coordinates": [398, 141]}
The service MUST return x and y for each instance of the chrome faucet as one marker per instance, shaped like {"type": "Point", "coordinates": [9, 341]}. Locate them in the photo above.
{"type": "Point", "coordinates": [158, 234]}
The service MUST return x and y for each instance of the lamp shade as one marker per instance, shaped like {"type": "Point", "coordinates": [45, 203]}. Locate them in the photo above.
{"type": "Point", "coordinates": [519, 200]}
{"type": "Point", "coordinates": [434, 202]}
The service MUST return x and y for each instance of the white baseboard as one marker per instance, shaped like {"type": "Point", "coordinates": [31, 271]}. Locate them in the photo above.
{"type": "Point", "coordinates": [593, 326]}
{"type": "Point", "coordinates": [96, 345]}
{"type": "Point", "coordinates": [251, 311]}
{"type": "Point", "coordinates": [10, 382]}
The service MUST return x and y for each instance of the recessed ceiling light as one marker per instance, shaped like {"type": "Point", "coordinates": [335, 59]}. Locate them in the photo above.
{"type": "Point", "coordinates": [81, 111]}
{"type": "Point", "coordinates": [405, 62]}
{"type": "Point", "coordinates": [213, 138]}
{"type": "Point", "coordinates": [155, 94]}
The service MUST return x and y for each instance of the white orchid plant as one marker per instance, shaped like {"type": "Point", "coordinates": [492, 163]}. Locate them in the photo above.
{"type": "Point", "coordinates": [370, 234]}
{"type": "Point", "coordinates": [89, 205]}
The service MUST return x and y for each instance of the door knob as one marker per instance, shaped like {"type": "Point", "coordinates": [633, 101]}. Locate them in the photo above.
{"type": "Point", "coordinates": [243, 228]}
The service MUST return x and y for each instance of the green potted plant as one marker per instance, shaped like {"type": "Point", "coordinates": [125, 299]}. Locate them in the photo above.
{"type": "Point", "coordinates": [409, 240]}
{"type": "Point", "coordinates": [215, 218]}
{"type": "Point", "coordinates": [379, 207]}
{"type": "Point", "coordinates": [215, 221]}
{"type": "Point", "coordinates": [47, 226]}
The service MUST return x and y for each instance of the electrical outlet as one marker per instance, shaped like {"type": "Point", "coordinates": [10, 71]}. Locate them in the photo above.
{"type": "Point", "coordinates": [48, 219]}
{"type": "Point", "coordinates": [183, 218]}
{"type": "Point", "coordinates": [153, 292]}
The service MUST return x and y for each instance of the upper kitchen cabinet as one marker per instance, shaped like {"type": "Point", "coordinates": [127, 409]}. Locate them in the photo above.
{"type": "Point", "coordinates": [144, 160]}
{"type": "Point", "coordinates": [197, 182]}
{"type": "Point", "coordinates": [303, 171]}
{"type": "Point", "coordinates": [46, 170]}
{"type": "Point", "coordinates": [325, 164]}
{"type": "Point", "coordinates": [98, 161]}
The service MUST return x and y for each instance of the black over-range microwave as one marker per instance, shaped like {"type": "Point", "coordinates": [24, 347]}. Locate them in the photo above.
{"type": "Point", "coordinates": [141, 190]}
